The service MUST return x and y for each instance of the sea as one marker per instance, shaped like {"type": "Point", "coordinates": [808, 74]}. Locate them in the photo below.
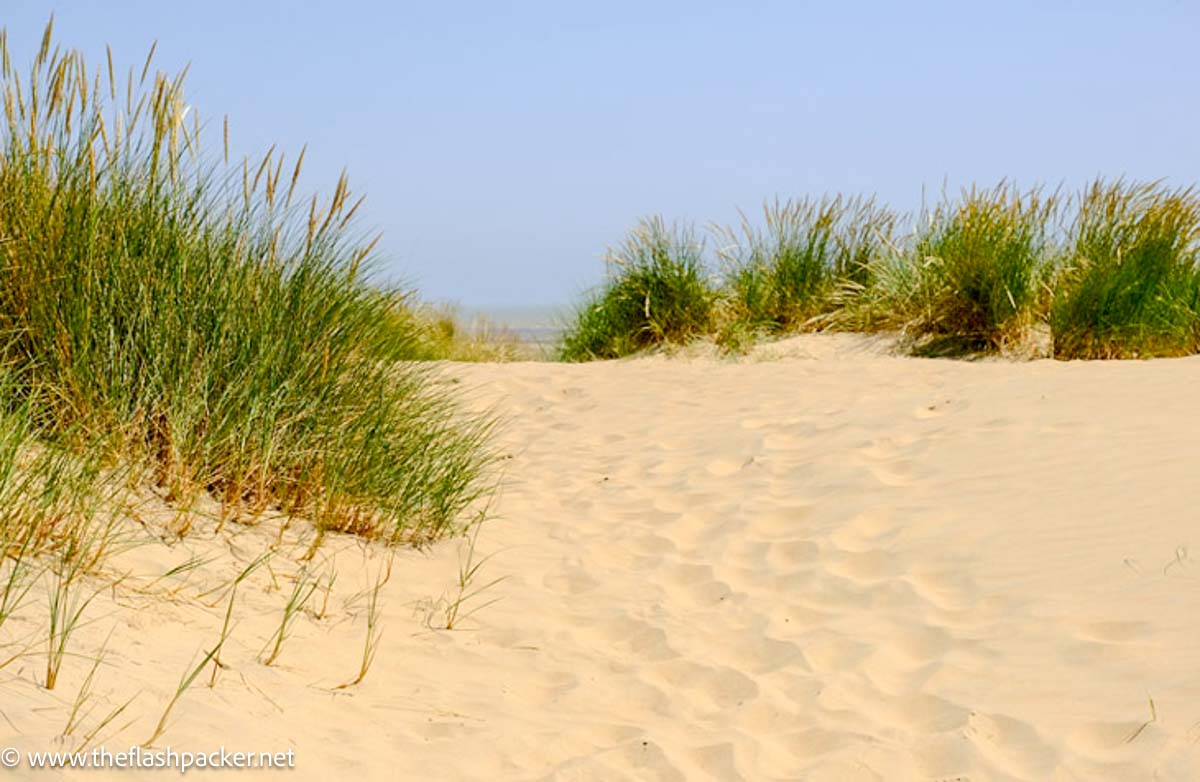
{"type": "Point", "coordinates": [537, 325]}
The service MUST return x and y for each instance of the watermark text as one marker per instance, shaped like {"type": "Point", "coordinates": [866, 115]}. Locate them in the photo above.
{"type": "Point", "coordinates": [142, 757]}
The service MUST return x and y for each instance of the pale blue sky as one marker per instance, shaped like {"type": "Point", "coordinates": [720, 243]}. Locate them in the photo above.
{"type": "Point", "coordinates": [502, 146]}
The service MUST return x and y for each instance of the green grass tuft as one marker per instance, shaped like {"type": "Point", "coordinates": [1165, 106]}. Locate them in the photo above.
{"type": "Point", "coordinates": [982, 260]}
{"type": "Point", "coordinates": [1133, 285]}
{"type": "Point", "coordinates": [781, 276]}
{"type": "Point", "coordinates": [657, 292]}
{"type": "Point", "coordinates": [972, 275]}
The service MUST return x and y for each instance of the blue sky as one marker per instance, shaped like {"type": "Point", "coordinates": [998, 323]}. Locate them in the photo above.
{"type": "Point", "coordinates": [503, 146]}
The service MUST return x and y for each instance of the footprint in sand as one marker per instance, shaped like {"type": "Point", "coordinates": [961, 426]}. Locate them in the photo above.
{"type": "Point", "coordinates": [1011, 744]}
{"type": "Point", "coordinates": [699, 584]}
{"type": "Point", "coordinates": [794, 619]}
{"type": "Point", "coordinates": [669, 501]}
{"type": "Point", "coordinates": [779, 523]}
{"type": "Point", "coordinates": [630, 694]}
{"type": "Point", "coordinates": [760, 655]}
{"type": "Point", "coordinates": [651, 544]}
{"type": "Point", "coordinates": [835, 594]}
{"type": "Point", "coordinates": [945, 758]}
{"type": "Point", "coordinates": [864, 567]}
{"type": "Point", "coordinates": [885, 459]}
{"type": "Point", "coordinates": [764, 716]}
{"type": "Point", "coordinates": [813, 743]}
{"type": "Point", "coordinates": [786, 441]}
{"type": "Point", "coordinates": [894, 675]}
{"type": "Point", "coordinates": [554, 687]}
{"type": "Point", "coordinates": [795, 582]}
{"type": "Point", "coordinates": [571, 579]}
{"type": "Point", "coordinates": [865, 527]}
{"type": "Point", "coordinates": [829, 652]}
{"type": "Point", "coordinates": [641, 639]}
{"type": "Point", "coordinates": [784, 554]}
{"type": "Point", "coordinates": [895, 474]}
{"type": "Point", "coordinates": [921, 713]}
{"type": "Point", "coordinates": [919, 643]}
{"type": "Point", "coordinates": [1115, 632]}
{"type": "Point", "coordinates": [723, 468]}
{"type": "Point", "coordinates": [724, 688]}
{"type": "Point", "coordinates": [946, 589]}
{"type": "Point", "coordinates": [748, 553]}
{"type": "Point", "coordinates": [645, 756]}
{"type": "Point", "coordinates": [718, 761]}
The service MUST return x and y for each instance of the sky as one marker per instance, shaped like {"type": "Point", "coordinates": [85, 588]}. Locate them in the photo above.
{"type": "Point", "coordinates": [503, 146]}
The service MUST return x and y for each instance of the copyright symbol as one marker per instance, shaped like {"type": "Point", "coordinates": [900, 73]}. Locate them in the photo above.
{"type": "Point", "coordinates": [10, 757]}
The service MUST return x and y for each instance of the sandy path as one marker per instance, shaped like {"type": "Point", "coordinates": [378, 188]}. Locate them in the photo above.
{"type": "Point", "coordinates": [853, 567]}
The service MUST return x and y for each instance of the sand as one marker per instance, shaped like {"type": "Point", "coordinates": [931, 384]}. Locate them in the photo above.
{"type": "Point", "coordinates": [830, 565]}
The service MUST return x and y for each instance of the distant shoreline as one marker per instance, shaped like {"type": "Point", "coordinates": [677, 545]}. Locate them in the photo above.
{"type": "Point", "coordinates": [538, 325]}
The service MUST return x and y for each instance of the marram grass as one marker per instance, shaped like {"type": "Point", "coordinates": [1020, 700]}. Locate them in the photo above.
{"type": "Point", "coordinates": [1112, 272]}
{"type": "Point", "coordinates": [778, 277]}
{"type": "Point", "coordinates": [657, 292]}
{"type": "Point", "coordinates": [1132, 287]}
{"type": "Point", "coordinates": [971, 274]}
{"type": "Point", "coordinates": [201, 320]}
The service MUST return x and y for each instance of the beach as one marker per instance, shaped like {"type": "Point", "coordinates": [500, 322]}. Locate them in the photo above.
{"type": "Point", "coordinates": [818, 562]}
{"type": "Point", "coordinates": [599, 443]}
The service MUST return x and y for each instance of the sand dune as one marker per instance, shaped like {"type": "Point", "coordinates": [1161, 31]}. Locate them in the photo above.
{"type": "Point", "coordinates": [833, 565]}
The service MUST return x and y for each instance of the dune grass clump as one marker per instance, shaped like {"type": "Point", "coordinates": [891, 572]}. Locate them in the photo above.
{"type": "Point", "coordinates": [782, 275]}
{"type": "Point", "coordinates": [970, 278]}
{"type": "Point", "coordinates": [1132, 288]}
{"type": "Point", "coordinates": [983, 260]}
{"type": "Point", "coordinates": [657, 292]}
{"type": "Point", "coordinates": [195, 317]}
